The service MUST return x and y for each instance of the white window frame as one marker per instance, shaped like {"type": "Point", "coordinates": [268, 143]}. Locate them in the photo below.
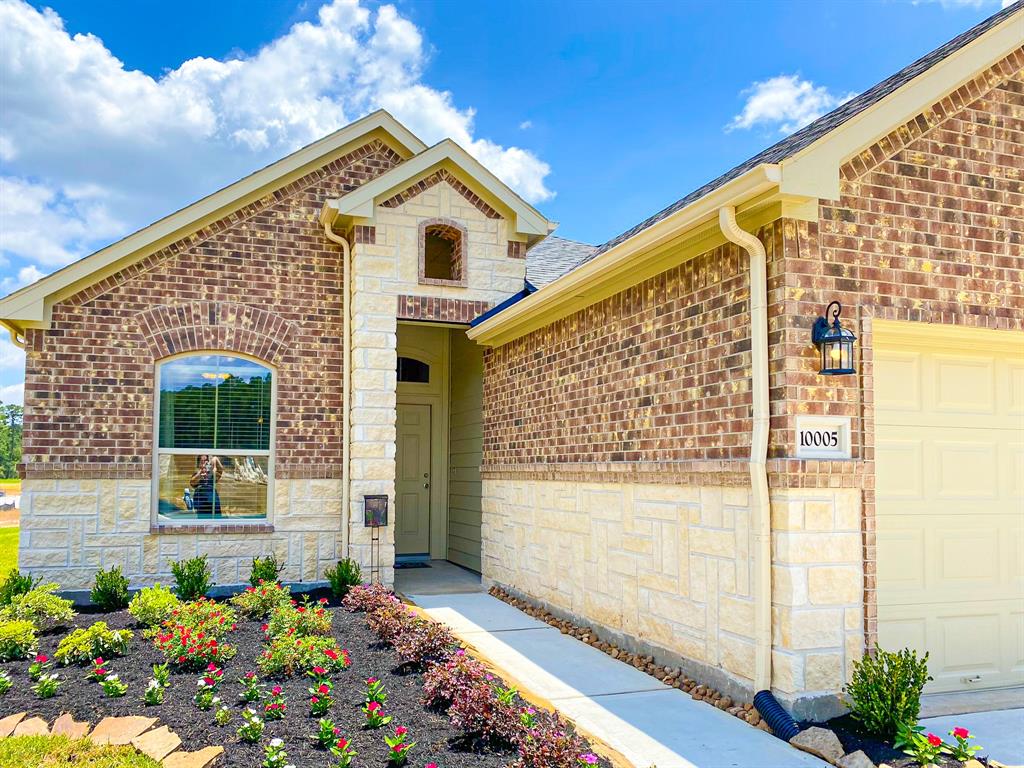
{"type": "Point", "coordinates": [164, 522]}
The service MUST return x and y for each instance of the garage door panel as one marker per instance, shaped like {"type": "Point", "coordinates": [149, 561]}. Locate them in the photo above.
{"type": "Point", "coordinates": [949, 429]}
{"type": "Point", "coordinates": [963, 385]}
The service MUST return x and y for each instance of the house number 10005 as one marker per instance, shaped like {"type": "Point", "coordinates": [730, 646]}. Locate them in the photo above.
{"type": "Point", "coordinates": [819, 438]}
{"type": "Point", "coordinates": [822, 437]}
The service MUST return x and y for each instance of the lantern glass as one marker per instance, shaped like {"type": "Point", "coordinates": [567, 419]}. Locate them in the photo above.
{"type": "Point", "coordinates": [835, 343]}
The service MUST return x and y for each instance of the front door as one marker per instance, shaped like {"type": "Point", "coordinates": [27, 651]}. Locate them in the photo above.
{"type": "Point", "coordinates": [412, 482]}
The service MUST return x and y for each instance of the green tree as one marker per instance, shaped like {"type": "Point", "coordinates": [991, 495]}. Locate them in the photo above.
{"type": "Point", "coordinates": [10, 439]}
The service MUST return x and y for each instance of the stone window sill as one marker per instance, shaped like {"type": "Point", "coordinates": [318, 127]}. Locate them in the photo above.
{"type": "Point", "coordinates": [213, 528]}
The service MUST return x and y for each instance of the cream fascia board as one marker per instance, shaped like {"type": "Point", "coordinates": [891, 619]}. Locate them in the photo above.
{"type": "Point", "coordinates": [687, 232]}
{"type": "Point", "coordinates": [30, 306]}
{"type": "Point", "coordinates": [814, 171]}
{"type": "Point", "coordinates": [361, 202]}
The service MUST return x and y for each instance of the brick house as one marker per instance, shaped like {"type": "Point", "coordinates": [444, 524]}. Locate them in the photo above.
{"type": "Point", "coordinates": [636, 434]}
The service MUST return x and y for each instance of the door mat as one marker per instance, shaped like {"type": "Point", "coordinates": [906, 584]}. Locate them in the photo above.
{"type": "Point", "coordinates": [400, 566]}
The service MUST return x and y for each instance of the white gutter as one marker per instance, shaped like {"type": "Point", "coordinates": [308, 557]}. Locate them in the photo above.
{"type": "Point", "coordinates": [760, 504]}
{"type": "Point", "coordinates": [346, 372]}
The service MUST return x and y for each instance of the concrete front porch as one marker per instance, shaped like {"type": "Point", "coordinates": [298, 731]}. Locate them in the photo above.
{"type": "Point", "coordinates": [441, 578]}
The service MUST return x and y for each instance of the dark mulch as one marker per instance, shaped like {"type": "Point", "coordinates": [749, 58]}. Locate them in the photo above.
{"type": "Point", "coordinates": [436, 740]}
{"type": "Point", "coordinates": [853, 737]}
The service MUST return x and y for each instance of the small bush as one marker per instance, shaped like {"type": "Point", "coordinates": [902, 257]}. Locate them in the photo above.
{"type": "Point", "coordinates": [479, 713]}
{"type": "Point", "coordinates": [84, 645]}
{"type": "Point", "coordinates": [304, 620]}
{"type": "Point", "coordinates": [265, 570]}
{"type": "Point", "coordinates": [192, 577]}
{"type": "Point", "coordinates": [110, 591]}
{"type": "Point", "coordinates": [368, 598]}
{"type": "Point", "coordinates": [390, 620]}
{"type": "Point", "coordinates": [40, 606]}
{"type": "Point", "coordinates": [15, 584]}
{"type": "Point", "coordinates": [17, 639]}
{"type": "Point", "coordinates": [550, 743]}
{"type": "Point", "coordinates": [191, 637]}
{"type": "Point", "coordinates": [203, 615]}
{"type": "Point", "coordinates": [423, 641]}
{"type": "Point", "coordinates": [259, 601]}
{"type": "Point", "coordinates": [885, 690]}
{"type": "Point", "coordinates": [152, 606]}
{"type": "Point", "coordinates": [443, 681]}
{"type": "Point", "coordinates": [343, 576]}
{"type": "Point", "coordinates": [287, 656]}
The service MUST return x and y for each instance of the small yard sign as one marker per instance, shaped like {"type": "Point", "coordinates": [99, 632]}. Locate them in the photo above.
{"type": "Point", "coordinates": [823, 437]}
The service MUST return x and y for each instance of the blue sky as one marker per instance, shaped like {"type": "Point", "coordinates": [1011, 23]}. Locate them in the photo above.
{"type": "Point", "coordinates": [113, 115]}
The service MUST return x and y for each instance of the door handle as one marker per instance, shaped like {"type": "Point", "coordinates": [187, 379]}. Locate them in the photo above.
{"type": "Point", "coordinates": [426, 485]}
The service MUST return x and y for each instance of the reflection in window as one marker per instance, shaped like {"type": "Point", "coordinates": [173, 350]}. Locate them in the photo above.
{"type": "Point", "coordinates": [213, 438]}
{"type": "Point", "coordinates": [413, 371]}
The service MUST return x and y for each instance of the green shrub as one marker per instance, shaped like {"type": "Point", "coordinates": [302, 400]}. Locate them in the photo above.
{"type": "Point", "coordinates": [17, 639]}
{"type": "Point", "coordinates": [885, 690]}
{"type": "Point", "coordinates": [345, 575]}
{"type": "Point", "coordinates": [110, 591]}
{"type": "Point", "coordinates": [84, 645]}
{"type": "Point", "coordinates": [203, 615]}
{"type": "Point", "coordinates": [258, 602]}
{"type": "Point", "coordinates": [288, 656]}
{"type": "Point", "coordinates": [192, 577]}
{"type": "Point", "coordinates": [265, 570]}
{"type": "Point", "coordinates": [15, 584]}
{"type": "Point", "coordinates": [303, 620]}
{"type": "Point", "coordinates": [40, 606]}
{"type": "Point", "coordinates": [152, 606]}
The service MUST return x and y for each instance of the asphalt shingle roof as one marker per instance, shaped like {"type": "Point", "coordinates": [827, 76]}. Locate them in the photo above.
{"type": "Point", "coordinates": [553, 256]}
{"type": "Point", "coordinates": [822, 126]}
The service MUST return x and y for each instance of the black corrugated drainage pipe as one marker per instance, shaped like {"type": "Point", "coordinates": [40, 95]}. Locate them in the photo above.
{"type": "Point", "coordinates": [778, 719]}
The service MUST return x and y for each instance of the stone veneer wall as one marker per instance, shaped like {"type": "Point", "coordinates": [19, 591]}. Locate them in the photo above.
{"type": "Point", "coordinates": [666, 568]}
{"type": "Point", "coordinates": [386, 286]}
{"type": "Point", "coordinates": [72, 527]}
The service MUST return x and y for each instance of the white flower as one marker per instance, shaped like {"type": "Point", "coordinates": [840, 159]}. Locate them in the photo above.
{"type": "Point", "coordinates": [113, 677]}
{"type": "Point", "coordinates": [153, 684]}
{"type": "Point", "coordinates": [276, 743]}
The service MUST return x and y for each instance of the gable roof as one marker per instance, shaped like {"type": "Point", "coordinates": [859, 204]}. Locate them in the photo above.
{"type": "Point", "coordinates": [787, 180]}
{"type": "Point", "coordinates": [826, 124]}
{"type": "Point", "coordinates": [552, 257]}
{"type": "Point", "coordinates": [361, 202]}
{"type": "Point", "coordinates": [30, 306]}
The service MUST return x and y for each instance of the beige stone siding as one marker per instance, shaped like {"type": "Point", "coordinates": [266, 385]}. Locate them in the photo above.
{"type": "Point", "coordinates": [71, 528]}
{"type": "Point", "coordinates": [671, 566]}
{"type": "Point", "coordinates": [383, 270]}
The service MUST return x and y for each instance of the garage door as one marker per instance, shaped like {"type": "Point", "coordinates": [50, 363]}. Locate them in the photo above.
{"type": "Point", "coordinates": [949, 439]}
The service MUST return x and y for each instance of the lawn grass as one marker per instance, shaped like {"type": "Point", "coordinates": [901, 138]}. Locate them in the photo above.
{"type": "Point", "coordinates": [8, 550]}
{"type": "Point", "coordinates": [10, 487]}
{"type": "Point", "coordinates": [53, 751]}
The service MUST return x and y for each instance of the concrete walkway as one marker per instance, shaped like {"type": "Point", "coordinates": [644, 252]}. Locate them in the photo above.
{"type": "Point", "coordinates": [643, 720]}
{"type": "Point", "coordinates": [1000, 734]}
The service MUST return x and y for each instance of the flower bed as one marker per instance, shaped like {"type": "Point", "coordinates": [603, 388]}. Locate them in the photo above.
{"type": "Point", "coordinates": [217, 668]}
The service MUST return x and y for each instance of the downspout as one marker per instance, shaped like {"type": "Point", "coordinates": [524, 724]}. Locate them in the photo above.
{"type": "Point", "coordinates": [760, 504]}
{"type": "Point", "coordinates": [346, 371]}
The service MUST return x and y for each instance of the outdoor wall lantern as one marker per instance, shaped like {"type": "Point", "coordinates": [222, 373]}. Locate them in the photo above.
{"type": "Point", "coordinates": [834, 341]}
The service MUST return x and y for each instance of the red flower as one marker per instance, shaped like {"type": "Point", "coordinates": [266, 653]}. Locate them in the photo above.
{"type": "Point", "coordinates": [331, 654]}
{"type": "Point", "coordinates": [342, 743]}
{"type": "Point", "coordinates": [42, 658]}
{"type": "Point", "coordinates": [324, 689]}
{"type": "Point", "coordinates": [319, 671]}
{"type": "Point", "coordinates": [934, 740]}
{"type": "Point", "coordinates": [401, 730]}
{"type": "Point", "coordinates": [961, 733]}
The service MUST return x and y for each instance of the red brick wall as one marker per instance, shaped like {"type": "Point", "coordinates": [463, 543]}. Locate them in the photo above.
{"type": "Point", "coordinates": [656, 373]}
{"type": "Point", "coordinates": [263, 281]}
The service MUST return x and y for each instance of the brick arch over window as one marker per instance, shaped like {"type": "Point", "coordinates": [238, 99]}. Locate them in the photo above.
{"type": "Point", "coordinates": [199, 325]}
{"type": "Point", "coordinates": [448, 232]}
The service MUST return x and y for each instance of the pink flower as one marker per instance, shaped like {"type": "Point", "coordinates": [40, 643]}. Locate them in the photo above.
{"type": "Point", "coordinates": [371, 680]}
{"type": "Point", "coordinates": [211, 667]}
{"type": "Point", "coordinates": [324, 689]}
{"type": "Point", "coordinates": [319, 671]}
{"type": "Point", "coordinates": [314, 700]}
{"type": "Point", "coordinates": [934, 740]}
{"type": "Point", "coordinates": [42, 658]}
{"type": "Point", "coordinates": [331, 654]}
{"type": "Point", "coordinates": [372, 707]}
{"type": "Point", "coordinates": [250, 675]}
{"type": "Point", "coordinates": [401, 730]}
{"type": "Point", "coordinates": [342, 743]}
{"type": "Point", "coordinates": [430, 765]}
{"type": "Point", "coordinates": [276, 690]}
{"type": "Point", "coordinates": [398, 748]}
{"type": "Point", "coordinates": [588, 758]}
{"type": "Point", "coordinates": [961, 733]}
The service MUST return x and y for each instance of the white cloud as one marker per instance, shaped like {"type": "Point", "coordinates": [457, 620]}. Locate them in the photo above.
{"type": "Point", "coordinates": [91, 150]}
{"type": "Point", "coordinates": [26, 275]}
{"type": "Point", "coordinates": [526, 125]}
{"type": "Point", "coordinates": [10, 355]}
{"type": "Point", "coordinates": [785, 101]}
{"type": "Point", "coordinates": [13, 394]}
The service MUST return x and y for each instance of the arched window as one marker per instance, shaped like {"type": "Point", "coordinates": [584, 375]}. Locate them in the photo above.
{"type": "Point", "coordinates": [413, 371]}
{"type": "Point", "coordinates": [442, 253]}
{"type": "Point", "coordinates": [214, 449]}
